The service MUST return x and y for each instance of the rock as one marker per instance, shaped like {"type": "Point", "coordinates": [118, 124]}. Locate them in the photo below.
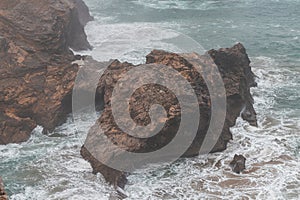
{"type": "Point", "coordinates": [233, 64]}
{"type": "Point", "coordinates": [112, 176]}
{"type": "Point", "coordinates": [3, 195]}
{"type": "Point", "coordinates": [76, 38]}
{"type": "Point", "coordinates": [36, 70]}
{"type": "Point", "coordinates": [55, 25]}
{"type": "Point", "coordinates": [238, 164]}
{"type": "Point", "coordinates": [83, 12]}
{"type": "Point", "coordinates": [237, 60]}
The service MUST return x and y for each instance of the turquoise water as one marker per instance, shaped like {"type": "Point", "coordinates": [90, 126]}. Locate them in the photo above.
{"type": "Point", "coordinates": [267, 27]}
{"type": "Point", "coordinates": [51, 167]}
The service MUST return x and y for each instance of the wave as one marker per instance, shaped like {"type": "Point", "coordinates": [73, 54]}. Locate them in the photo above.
{"type": "Point", "coordinates": [272, 152]}
{"type": "Point", "coordinates": [189, 5]}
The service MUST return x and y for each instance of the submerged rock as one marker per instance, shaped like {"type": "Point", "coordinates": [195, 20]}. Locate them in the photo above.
{"type": "Point", "coordinates": [3, 195]}
{"type": "Point", "coordinates": [238, 164]}
{"type": "Point", "coordinates": [233, 64]}
{"type": "Point", "coordinates": [36, 70]}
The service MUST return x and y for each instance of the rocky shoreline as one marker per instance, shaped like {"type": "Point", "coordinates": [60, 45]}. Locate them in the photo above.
{"type": "Point", "coordinates": [37, 74]}
{"type": "Point", "coordinates": [233, 64]}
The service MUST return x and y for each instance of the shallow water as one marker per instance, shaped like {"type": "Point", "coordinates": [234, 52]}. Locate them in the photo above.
{"type": "Point", "coordinates": [52, 168]}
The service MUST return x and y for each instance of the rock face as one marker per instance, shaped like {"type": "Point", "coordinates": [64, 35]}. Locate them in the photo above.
{"type": "Point", "coordinates": [36, 74]}
{"type": "Point", "coordinates": [238, 164]}
{"type": "Point", "coordinates": [3, 195]}
{"type": "Point", "coordinates": [83, 12]}
{"type": "Point", "coordinates": [233, 64]}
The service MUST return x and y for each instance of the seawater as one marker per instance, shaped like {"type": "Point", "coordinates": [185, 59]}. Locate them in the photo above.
{"type": "Point", "coordinates": [50, 167]}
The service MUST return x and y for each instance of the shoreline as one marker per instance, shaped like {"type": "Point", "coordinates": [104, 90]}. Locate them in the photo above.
{"type": "Point", "coordinates": [259, 173]}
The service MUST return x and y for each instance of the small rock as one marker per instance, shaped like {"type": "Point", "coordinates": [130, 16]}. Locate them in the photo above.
{"type": "Point", "coordinates": [218, 164]}
{"type": "Point", "coordinates": [238, 163]}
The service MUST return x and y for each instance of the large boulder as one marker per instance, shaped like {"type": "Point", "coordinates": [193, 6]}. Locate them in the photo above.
{"type": "Point", "coordinates": [36, 70]}
{"type": "Point", "coordinates": [234, 66]}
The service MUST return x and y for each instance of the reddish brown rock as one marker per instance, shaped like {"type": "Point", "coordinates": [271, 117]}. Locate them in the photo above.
{"type": "Point", "coordinates": [233, 64]}
{"type": "Point", "coordinates": [3, 195]}
{"type": "Point", "coordinates": [36, 70]}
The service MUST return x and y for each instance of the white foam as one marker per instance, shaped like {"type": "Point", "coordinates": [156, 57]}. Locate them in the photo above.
{"type": "Point", "coordinates": [188, 5]}
{"type": "Point", "coordinates": [52, 168]}
{"type": "Point", "coordinates": [270, 148]}
{"type": "Point", "coordinates": [132, 42]}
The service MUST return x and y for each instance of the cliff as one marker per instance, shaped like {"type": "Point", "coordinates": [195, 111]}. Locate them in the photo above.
{"type": "Point", "coordinates": [36, 74]}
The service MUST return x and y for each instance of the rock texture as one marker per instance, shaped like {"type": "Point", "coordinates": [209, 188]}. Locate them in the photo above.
{"type": "Point", "coordinates": [234, 66]}
{"type": "Point", "coordinates": [36, 74]}
{"type": "Point", "coordinates": [83, 12]}
{"type": "Point", "coordinates": [3, 195]}
{"type": "Point", "coordinates": [238, 164]}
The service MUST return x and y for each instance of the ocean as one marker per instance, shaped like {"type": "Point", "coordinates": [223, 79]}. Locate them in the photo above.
{"type": "Point", "coordinates": [50, 167]}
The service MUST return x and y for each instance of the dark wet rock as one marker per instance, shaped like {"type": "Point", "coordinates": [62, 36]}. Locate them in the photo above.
{"type": "Point", "coordinates": [3, 44]}
{"type": "Point", "coordinates": [238, 164]}
{"type": "Point", "coordinates": [112, 176]}
{"type": "Point", "coordinates": [76, 37]}
{"type": "Point", "coordinates": [36, 70]}
{"type": "Point", "coordinates": [237, 61]}
{"type": "Point", "coordinates": [3, 195]}
{"type": "Point", "coordinates": [234, 66]}
{"type": "Point", "coordinates": [83, 12]}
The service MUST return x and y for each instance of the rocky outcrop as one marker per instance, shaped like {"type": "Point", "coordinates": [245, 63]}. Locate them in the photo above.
{"type": "Point", "coordinates": [3, 195]}
{"type": "Point", "coordinates": [36, 74]}
{"type": "Point", "coordinates": [235, 60]}
{"type": "Point", "coordinates": [234, 66]}
{"type": "Point", "coordinates": [83, 12]}
{"type": "Point", "coordinates": [238, 164]}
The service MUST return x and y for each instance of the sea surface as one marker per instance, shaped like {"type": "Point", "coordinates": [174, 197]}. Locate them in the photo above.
{"type": "Point", "coordinates": [50, 167]}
